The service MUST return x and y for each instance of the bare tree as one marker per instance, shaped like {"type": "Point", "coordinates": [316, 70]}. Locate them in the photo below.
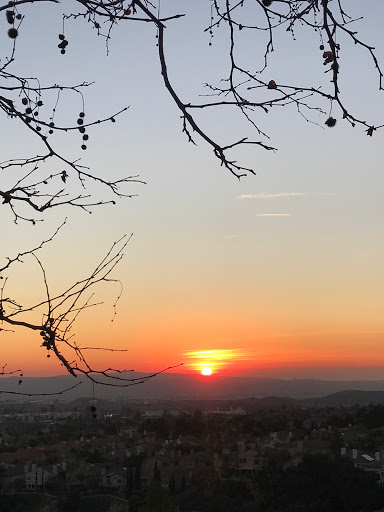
{"type": "Point", "coordinates": [246, 87]}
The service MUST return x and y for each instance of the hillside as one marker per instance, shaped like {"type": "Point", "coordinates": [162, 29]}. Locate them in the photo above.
{"type": "Point", "coordinates": [174, 386]}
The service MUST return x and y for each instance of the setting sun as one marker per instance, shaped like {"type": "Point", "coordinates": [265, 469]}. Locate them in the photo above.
{"type": "Point", "coordinates": [206, 371]}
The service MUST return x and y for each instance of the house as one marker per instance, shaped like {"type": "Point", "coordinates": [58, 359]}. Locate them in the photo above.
{"type": "Point", "coordinates": [36, 477]}
{"type": "Point", "coordinates": [250, 461]}
{"type": "Point", "coordinates": [371, 462]}
{"type": "Point", "coordinates": [376, 466]}
{"type": "Point", "coordinates": [113, 482]}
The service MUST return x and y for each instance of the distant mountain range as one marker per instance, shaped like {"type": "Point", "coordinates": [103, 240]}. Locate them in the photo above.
{"type": "Point", "coordinates": [347, 398]}
{"type": "Point", "coordinates": [176, 386]}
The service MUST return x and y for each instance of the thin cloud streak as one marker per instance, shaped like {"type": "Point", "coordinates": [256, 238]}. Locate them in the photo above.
{"type": "Point", "coordinates": [273, 215]}
{"type": "Point", "coordinates": [219, 354]}
{"type": "Point", "coordinates": [262, 195]}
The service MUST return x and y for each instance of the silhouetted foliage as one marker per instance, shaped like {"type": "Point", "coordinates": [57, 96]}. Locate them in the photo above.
{"type": "Point", "coordinates": [157, 499]}
{"type": "Point", "coordinates": [371, 416]}
{"type": "Point", "coordinates": [319, 484]}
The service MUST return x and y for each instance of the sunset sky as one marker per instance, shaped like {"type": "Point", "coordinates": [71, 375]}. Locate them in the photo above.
{"type": "Point", "coordinates": [279, 274]}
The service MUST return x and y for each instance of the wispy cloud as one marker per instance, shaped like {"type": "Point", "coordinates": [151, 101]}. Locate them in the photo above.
{"type": "Point", "coordinates": [273, 215]}
{"type": "Point", "coordinates": [262, 195]}
{"type": "Point", "coordinates": [218, 354]}
{"type": "Point", "coordinates": [215, 358]}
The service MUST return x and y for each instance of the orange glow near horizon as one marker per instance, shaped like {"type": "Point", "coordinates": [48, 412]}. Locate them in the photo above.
{"type": "Point", "coordinates": [214, 360]}
{"type": "Point", "coordinates": [290, 353]}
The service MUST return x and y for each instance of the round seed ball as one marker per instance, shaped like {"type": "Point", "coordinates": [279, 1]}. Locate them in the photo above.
{"type": "Point", "coordinates": [13, 33]}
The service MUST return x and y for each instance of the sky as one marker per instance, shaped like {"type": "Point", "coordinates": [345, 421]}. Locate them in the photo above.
{"type": "Point", "coordinates": [279, 274]}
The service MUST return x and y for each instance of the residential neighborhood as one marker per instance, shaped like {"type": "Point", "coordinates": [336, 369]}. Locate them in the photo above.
{"type": "Point", "coordinates": [125, 452]}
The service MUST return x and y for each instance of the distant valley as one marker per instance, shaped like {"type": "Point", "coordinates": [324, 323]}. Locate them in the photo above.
{"type": "Point", "coordinates": [173, 386]}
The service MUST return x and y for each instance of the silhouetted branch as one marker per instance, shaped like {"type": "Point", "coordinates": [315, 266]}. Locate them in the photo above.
{"type": "Point", "coordinates": [326, 19]}
{"type": "Point", "coordinates": [60, 311]}
{"type": "Point", "coordinates": [17, 258]}
{"type": "Point", "coordinates": [111, 379]}
{"type": "Point", "coordinates": [3, 371]}
{"type": "Point", "coordinates": [54, 393]}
